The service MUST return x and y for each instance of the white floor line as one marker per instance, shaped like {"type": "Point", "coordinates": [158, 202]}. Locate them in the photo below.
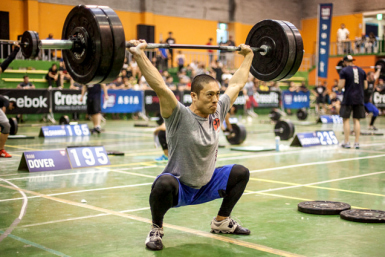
{"type": "Point", "coordinates": [22, 211]}
{"type": "Point", "coordinates": [45, 175]}
{"type": "Point", "coordinates": [316, 183]}
{"type": "Point", "coordinates": [80, 218]}
{"type": "Point", "coordinates": [80, 191]}
{"type": "Point", "coordinates": [317, 163]}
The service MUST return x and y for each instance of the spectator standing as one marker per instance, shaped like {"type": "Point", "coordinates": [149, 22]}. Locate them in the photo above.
{"type": "Point", "coordinates": [368, 93]}
{"type": "Point", "coordinates": [248, 92]}
{"type": "Point", "coordinates": [218, 71]}
{"type": "Point", "coordinates": [343, 43]}
{"type": "Point", "coordinates": [170, 40]}
{"type": "Point", "coordinates": [26, 84]}
{"type": "Point", "coordinates": [48, 51]}
{"type": "Point", "coordinates": [180, 59]}
{"type": "Point", "coordinates": [211, 52]}
{"type": "Point", "coordinates": [230, 55]}
{"type": "Point", "coordinates": [53, 76]}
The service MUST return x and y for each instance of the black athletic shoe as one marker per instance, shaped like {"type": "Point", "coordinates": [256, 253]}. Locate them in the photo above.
{"type": "Point", "coordinates": [228, 226]}
{"type": "Point", "coordinates": [154, 239]}
{"type": "Point", "coordinates": [96, 130]}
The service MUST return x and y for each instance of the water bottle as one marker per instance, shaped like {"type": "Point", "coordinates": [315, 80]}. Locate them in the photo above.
{"type": "Point", "coordinates": [277, 139]}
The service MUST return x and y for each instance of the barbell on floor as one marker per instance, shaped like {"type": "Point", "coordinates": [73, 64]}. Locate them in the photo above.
{"type": "Point", "coordinates": [284, 129]}
{"type": "Point", "coordinates": [380, 64]}
{"type": "Point", "coordinates": [94, 46]}
{"type": "Point", "coordinates": [276, 115]}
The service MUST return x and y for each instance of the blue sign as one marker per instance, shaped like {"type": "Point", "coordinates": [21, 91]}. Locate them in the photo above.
{"type": "Point", "coordinates": [327, 137]}
{"type": "Point", "coordinates": [306, 139]}
{"type": "Point", "coordinates": [336, 119]}
{"type": "Point", "coordinates": [296, 100]}
{"type": "Point", "coordinates": [324, 26]}
{"type": "Point", "coordinates": [65, 130]}
{"type": "Point", "coordinates": [122, 101]}
{"type": "Point", "coordinates": [45, 160]}
{"type": "Point", "coordinates": [87, 156]}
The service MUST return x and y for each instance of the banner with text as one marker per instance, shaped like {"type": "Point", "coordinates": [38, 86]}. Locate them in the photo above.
{"type": "Point", "coordinates": [122, 101]}
{"type": "Point", "coordinates": [324, 25]}
{"type": "Point", "coordinates": [379, 99]}
{"type": "Point", "coordinates": [67, 100]}
{"type": "Point", "coordinates": [34, 101]}
{"type": "Point", "coordinates": [296, 100]}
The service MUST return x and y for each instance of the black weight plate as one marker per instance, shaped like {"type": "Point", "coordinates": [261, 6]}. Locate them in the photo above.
{"type": "Point", "coordinates": [31, 49]}
{"type": "Point", "coordinates": [278, 62]}
{"type": "Point", "coordinates": [381, 63]}
{"type": "Point", "coordinates": [299, 50]}
{"type": "Point", "coordinates": [119, 44]}
{"type": "Point", "coordinates": [14, 126]}
{"type": "Point", "coordinates": [362, 215]}
{"type": "Point", "coordinates": [115, 153]}
{"type": "Point", "coordinates": [323, 207]}
{"type": "Point", "coordinates": [274, 115]}
{"type": "Point", "coordinates": [284, 130]}
{"type": "Point", "coordinates": [302, 114]}
{"type": "Point", "coordinates": [95, 66]}
{"type": "Point", "coordinates": [64, 120]}
{"type": "Point", "coordinates": [240, 134]}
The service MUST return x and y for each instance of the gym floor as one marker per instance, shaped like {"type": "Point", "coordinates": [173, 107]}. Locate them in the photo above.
{"type": "Point", "coordinates": [116, 218]}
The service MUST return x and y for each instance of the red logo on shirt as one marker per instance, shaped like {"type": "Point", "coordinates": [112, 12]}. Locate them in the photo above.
{"type": "Point", "coordinates": [216, 123]}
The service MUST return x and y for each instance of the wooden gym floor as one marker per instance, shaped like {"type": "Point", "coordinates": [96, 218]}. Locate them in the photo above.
{"type": "Point", "coordinates": [116, 218]}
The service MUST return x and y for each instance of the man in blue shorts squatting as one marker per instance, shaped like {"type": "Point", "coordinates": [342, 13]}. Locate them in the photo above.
{"type": "Point", "coordinates": [190, 176]}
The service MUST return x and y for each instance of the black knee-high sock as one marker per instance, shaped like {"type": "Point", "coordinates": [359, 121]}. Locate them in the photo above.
{"type": "Point", "coordinates": [164, 195]}
{"type": "Point", "coordinates": [372, 120]}
{"type": "Point", "coordinates": [10, 58]}
{"type": "Point", "coordinates": [239, 176]}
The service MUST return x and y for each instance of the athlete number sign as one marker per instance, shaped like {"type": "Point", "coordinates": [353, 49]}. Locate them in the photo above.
{"type": "Point", "coordinates": [327, 137]}
{"type": "Point", "coordinates": [87, 156]}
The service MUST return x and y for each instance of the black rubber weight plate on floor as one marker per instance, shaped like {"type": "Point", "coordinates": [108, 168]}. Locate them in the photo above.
{"type": "Point", "coordinates": [366, 216]}
{"type": "Point", "coordinates": [323, 207]}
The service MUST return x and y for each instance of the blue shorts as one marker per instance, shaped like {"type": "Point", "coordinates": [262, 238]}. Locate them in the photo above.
{"type": "Point", "coordinates": [370, 108]}
{"type": "Point", "coordinates": [207, 193]}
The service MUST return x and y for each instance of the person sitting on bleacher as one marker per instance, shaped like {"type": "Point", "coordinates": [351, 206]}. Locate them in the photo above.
{"type": "Point", "coordinates": [26, 84]}
{"type": "Point", "coordinates": [64, 75]}
{"type": "Point", "coordinates": [53, 75]}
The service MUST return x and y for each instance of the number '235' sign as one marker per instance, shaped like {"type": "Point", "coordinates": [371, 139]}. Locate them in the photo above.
{"type": "Point", "coordinates": [327, 137]}
{"type": "Point", "coordinates": [87, 156]}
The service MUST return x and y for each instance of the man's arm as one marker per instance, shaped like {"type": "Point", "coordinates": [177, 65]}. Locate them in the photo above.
{"type": "Point", "coordinates": [105, 89]}
{"type": "Point", "coordinates": [365, 84]}
{"type": "Point", "coordinates": [167, 99]}
{"type": "Point", "coordinates": [238, 81]}
{"type": "Point", "coordinates": [84, 89]}
{"type": "Point", "coordinates": [341, 84]}
{"type": "Point", "coordinates": [377, 74]}
{"type": "Point", "coordinates": [10, 58]}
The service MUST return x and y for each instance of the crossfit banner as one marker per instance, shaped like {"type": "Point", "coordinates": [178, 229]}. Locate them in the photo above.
{"type": "Point", "coordinates": [379, 99]}
{"type": "Point", "coordinates": [67, 100]}
{"type": "Point", "coordinates": [33, 101]}
{"type": "Point", "coordinates": [296, 100]}
{"type": "Point", "coordinates": [323, 38]}
{"type": "Point", "coordinates": [122, 101]}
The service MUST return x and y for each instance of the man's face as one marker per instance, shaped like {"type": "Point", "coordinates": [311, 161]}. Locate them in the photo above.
{"type": "Point", "coordinates": [26, 79]}
{"type": "Point", "coordinates": [208, 98]}
{"type": "Point", "coordinates": [342, 26]}
{"type": "Point", "coordinates": [11, 106]}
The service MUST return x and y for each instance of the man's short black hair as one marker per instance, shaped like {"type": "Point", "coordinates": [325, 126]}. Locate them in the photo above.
{"type": "Point", "coordinates": [198, 82]}
{"type": "Point", "coordinates": [25, 76]}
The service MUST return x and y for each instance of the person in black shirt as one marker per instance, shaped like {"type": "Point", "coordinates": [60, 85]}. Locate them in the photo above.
{"type": "Point", "coordinates": [4, 124]}
{"type": "Point", "coordinates": [369, 107]}
{"type": "Point", "coordinates": [170, 40]}
{"type": "Point", "coordinates": [218, 71]}
{"type": "Point", "coordinates": [320, 93]}
{"type": "Point", "coordinates": [10, 58]}
{"type": "Point", "coordinates": [25, 84]}
{"type": "Point", "coordinates": [53, 75]}
{"type": "Point", "coordinates": [94, 108]}
{"type": "Point", "coordinates": [353, 79]}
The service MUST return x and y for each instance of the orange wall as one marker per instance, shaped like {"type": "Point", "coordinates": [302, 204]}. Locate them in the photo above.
{"type": "Point", "coordinates": [17, 19]}
{"type": "Point", "coordinates": [309, 29]}
{"type": "Point", "coordinates": [361, 60]}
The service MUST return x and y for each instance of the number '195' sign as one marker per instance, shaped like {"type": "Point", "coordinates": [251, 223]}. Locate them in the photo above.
{"type": "Point", "coordinates": [87, 156]}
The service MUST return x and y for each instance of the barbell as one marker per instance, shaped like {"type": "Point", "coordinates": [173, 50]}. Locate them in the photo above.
{"type": "Point", "coordinates": [93, 44]}
{"type": "Point", "coordinates": [380, 64]}
{"type": "Point", "coordinates": [284, 129]}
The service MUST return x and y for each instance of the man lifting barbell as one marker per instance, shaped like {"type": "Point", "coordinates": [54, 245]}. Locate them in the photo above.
{"type": "Point", "coordinates": [192, 134]}
{"type": "Point", "coordinates": [4, 124]}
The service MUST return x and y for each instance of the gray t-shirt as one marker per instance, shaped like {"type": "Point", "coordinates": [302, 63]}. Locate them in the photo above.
{"type": "Point", "coordinates": [193, 143]}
